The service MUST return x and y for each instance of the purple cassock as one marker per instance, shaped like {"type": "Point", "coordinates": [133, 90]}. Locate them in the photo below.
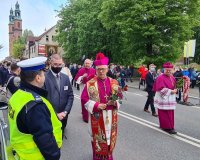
{"type": "Point", "coordinates": [165, 100]}
{"type": "Point", "coordinates": [90, 74]}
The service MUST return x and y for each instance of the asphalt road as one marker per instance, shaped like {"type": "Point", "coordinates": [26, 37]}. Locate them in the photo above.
{"type": "Point", "coordinates": [139, 137]}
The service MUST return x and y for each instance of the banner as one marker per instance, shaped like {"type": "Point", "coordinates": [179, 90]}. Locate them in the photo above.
{"type": "Point", "coordinates": [41, 49]}
{"type": "Point", "coordinates": [189, 48]}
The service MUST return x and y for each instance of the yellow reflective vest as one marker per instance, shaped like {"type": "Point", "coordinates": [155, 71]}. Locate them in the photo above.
{"type": "Point", "coordinates": [22, 143]}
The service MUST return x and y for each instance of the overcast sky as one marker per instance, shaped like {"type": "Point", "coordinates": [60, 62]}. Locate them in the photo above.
{"type": "Point", "coordinates": [36, 16]}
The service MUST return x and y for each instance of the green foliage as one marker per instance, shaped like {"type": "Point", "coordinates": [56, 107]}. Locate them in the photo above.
{"type": "Point", "coordinates": [19, 44]}
{"type": "Point", "coordinates": [18, 48]}
{"type": "Point", "coordinates": [26, 34]}
{"type": "Point", "coordinates": [127, 31]}
{"type": "Point", "coordinates": [179, 83]}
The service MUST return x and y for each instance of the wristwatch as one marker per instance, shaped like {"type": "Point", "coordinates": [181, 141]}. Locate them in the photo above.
{"type": "Point", "coordinates": [65, 112]}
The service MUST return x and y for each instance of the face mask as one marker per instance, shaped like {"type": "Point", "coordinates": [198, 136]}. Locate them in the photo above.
{"type": "Point", "coordinates": [112, 67]}
{"type": "Point", "coordinates": [152, 69]}
{"type": "Point", "coordinates": [56, 70]}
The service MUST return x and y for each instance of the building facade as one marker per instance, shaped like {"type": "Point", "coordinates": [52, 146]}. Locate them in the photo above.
{"type": "Point", "coordinates": [14, 26]}
{"type": "Point", "coordinates": [44, 45]}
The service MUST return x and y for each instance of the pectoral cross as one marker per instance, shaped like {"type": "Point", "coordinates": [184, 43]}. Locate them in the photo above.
{"type": "Point", "coordinates": [106, 97]}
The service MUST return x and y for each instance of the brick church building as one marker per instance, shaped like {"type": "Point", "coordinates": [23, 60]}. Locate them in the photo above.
{"type": "Point", "coordinates": [15, 26]}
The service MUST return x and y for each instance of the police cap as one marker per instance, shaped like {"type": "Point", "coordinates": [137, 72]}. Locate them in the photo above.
{"type": "Point", "coordinates": [32, 64]}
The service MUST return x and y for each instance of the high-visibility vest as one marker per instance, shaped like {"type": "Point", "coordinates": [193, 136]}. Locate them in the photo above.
{"type": "Point", "coordinates": [22, 143]}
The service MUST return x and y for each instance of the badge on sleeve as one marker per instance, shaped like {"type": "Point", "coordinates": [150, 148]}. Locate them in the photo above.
{"type": "Point", "coordinates": [65, 88]}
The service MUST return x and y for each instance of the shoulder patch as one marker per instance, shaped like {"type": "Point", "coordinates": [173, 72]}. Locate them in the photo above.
{"type": "Point", "coordinates": [16, 81]}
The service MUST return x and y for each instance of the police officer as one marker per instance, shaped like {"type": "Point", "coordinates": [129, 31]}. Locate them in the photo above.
{"type": "Point", "coordinates": [35, 131]}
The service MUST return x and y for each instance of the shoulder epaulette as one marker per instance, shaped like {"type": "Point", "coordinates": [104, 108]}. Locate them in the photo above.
{"type": "Point", "coordinates": [33, 103]}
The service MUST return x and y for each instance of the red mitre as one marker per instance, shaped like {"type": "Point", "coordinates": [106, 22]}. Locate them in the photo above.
{"type": "Point", "coordinates": [101, 59]}
{"type": "Point", "coordinates": [168, 65]}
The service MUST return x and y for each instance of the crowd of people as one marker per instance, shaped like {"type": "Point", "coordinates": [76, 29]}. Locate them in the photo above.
{"type": "Point", "coordinates": [41, 98]}
{"type": "Point", "coordinates": [40, 94]}
{"type": "Point", "coordinates": [178, 72]}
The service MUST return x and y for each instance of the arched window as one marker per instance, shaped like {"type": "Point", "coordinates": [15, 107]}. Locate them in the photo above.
{"type": "Point", "coordinates": [18, 24]}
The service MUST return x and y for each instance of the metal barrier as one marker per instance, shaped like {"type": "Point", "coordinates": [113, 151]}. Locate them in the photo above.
{"type": "Point", "coordinates": [3, 126]}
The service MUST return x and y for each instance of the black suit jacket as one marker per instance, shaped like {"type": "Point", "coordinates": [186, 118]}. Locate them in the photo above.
{"type": "Point", "coordinates": [149, 82]}
{"type": "Point", "coordinates": [61, 100]}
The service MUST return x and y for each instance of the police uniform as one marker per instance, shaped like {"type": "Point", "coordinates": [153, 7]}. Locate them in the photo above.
{"type": "Point", "coordinates": [35, 131]}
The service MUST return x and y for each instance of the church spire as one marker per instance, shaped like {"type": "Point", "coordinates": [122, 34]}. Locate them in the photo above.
{"type": "Point", "coordinates": [17, 6]}
{"type": "Point", "coordinates": [11, 11]}
{"type": "Point", "coordinates": [11, 16]}
{"type": "Point", "coordinates": [17, 11]}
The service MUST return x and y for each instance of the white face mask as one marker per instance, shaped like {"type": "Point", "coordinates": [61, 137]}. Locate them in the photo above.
{"type": "Point", "coordinates": [112, 67]}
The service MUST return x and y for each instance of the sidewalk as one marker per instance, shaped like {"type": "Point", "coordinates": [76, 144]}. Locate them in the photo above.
{"type": "Point", "coordinates": [194, 92]}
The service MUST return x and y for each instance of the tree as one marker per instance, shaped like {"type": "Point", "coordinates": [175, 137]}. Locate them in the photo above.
{"type": "Point", "coordinates": [26, 34]}
{"type": "Point", "coordinates": [1, 46]}
{"type": "Point", "coordinates": [154, 30]}
{"type": "Point", "coordinates": [18, 48]}
{"type": "Point", "coordinates": [19, 44]}
{"type": "Point", "coordinates": [82, 33]}
{"type": "Point", "coordinates": [125, 30]}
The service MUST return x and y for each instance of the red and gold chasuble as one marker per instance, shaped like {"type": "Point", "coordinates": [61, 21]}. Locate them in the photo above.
{"type": "Point", "coordinates": [102, 150]}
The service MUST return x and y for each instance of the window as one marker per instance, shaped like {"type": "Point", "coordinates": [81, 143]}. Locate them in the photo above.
{"type": "Point", "coordinates": [53, 38]}
{"type": "Point", "coordinates": [47, 38]}
{"type": "Point", "coordinates": [18, 24]}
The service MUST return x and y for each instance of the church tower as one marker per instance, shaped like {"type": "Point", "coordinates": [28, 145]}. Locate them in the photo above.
{"type": "Point", "coordinates": [14, 26]}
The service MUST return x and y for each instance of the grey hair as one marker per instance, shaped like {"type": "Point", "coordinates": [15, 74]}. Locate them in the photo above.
{"type": "Point", "coordinates": [56, 56]}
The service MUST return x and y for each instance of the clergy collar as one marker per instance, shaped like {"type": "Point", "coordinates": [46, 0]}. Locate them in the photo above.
{"type": "Point", "coordinates": [102, 80]}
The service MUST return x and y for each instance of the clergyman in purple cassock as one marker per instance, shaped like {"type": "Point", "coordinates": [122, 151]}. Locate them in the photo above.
{"type": "Point", "coordinates": [165, 98]}
{"type": "Point", "coordinates": [85, 74]}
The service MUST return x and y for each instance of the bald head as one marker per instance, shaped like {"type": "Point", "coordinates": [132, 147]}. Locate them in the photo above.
{"type": "Point", "coordinates": [87, 63]}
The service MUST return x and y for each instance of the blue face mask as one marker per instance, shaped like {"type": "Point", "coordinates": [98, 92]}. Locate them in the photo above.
{"type": "Point", "coordinates": [152, 69]}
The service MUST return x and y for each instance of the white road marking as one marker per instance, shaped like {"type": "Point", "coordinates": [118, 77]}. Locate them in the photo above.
{"type": "Point", "coordinates": [156, 125]}
{"type": "Point", "coordinates": [159, 130]}
{"type": "Point", "coordinates": [180, 136]}
{"type": "Point", "coordinates": [196, 107]}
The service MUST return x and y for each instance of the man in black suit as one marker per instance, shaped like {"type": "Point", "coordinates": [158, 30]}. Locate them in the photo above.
{"type": "Point", "coordinates": [59, 88]}
{"type": "Point", "coordinates": [150, 78]}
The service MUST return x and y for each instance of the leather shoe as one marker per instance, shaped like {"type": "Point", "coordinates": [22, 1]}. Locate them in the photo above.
{"type": "Point", "coordinates": [146, 110]}
{"type": "Point", "coordinates": [154, 114]}
{"type": "Point", "coordinates": [85, 121]}
{"type": "Point", "coordinates": [170, 131]}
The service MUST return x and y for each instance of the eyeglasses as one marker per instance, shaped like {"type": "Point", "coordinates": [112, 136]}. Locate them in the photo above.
{"type": "Point", "coordinates": [169, 71]}
{"type": "Point", "coordinates": [101, 69]}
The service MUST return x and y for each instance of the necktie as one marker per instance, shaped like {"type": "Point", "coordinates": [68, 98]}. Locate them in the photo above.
{"type": "Point", "coordinates": [58, 81]}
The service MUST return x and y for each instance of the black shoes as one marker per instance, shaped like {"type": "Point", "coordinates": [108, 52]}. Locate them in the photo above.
{"type": "Point", "coordinates": [154, 114]}
{"type": "Point", "coordinates": [146, 110]}
{"type": "Point", "coordinates": [170, 131]}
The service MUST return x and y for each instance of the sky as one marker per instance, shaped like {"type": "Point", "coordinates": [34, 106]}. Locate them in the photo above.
{"type": "Point", "coordinates": [36, 16]}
